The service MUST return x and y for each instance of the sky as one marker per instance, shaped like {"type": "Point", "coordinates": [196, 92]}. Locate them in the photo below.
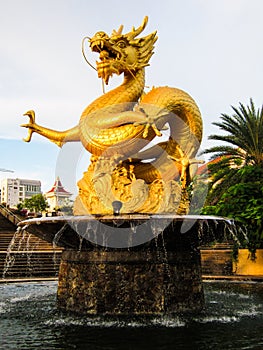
{"type": "Point", "coordinates": [212, 49]}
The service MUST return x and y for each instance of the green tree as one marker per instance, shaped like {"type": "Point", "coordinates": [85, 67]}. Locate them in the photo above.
{"type": "Point", "coordinates": [244, 202]}
{"type": "Point", "coordinates": [243, 138]}
{"type": "Point", "coordinates": [237, 172]}
{"type": "Point", "coordinates": [19, 206]}
{"type": "Point", "coordinates": [36, 203]}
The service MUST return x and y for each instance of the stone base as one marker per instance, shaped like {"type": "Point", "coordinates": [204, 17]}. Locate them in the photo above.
{"type": "Point", "coordinates": [130, 282]}
{"type": "Point", "coordinates": [130, 264]}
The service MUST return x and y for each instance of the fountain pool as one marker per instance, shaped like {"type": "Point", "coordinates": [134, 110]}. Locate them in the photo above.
{"type": "Point", "coordinates": [130, 264]}
{"type": "Point", "coordinates": [232, 319]}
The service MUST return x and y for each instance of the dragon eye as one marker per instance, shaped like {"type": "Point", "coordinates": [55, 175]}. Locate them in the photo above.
{"type": "Point", "coordinates": [121, 44]}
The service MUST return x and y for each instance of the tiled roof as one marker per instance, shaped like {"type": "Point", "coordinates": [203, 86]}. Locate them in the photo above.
{"type": "Point", "coordinates": [203, 169]}
{"type": "Point", "coordinates": [58, 188]}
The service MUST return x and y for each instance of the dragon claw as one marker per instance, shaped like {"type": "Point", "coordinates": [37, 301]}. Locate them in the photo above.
{"type": "Point", "coordinates": [156, 130]}
{"type": "Point", "coordinates": [30, 125]}
{"type": "Point", "coordinates": [147, 127]}
{"type": "Point", "coordinates": [148, 122]}
{"type": "Point", "coordinates": [29, 135]}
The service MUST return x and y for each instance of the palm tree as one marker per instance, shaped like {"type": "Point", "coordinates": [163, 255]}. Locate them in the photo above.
{"type": "Point", "coordinates": [245, 134]}
{"type": "Point", "coordinates": [243, 146]}
{"type": "Point", "coordinates": [236, 172]}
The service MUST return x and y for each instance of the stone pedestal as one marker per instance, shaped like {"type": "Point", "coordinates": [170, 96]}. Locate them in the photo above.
{"type": "Point", "coordinates": [160, 277]}
{"type": "Point", "coordinates": [130, 264]}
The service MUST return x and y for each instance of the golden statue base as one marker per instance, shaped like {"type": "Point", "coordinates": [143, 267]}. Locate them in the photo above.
{"type": "Point", "coordinates": [106, 181]}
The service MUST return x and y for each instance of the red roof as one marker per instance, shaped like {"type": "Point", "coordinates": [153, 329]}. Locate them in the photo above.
{"type": "Point", "coordinates": [58, 188]}
{"type": "Point", "coordinates": [203, 169]}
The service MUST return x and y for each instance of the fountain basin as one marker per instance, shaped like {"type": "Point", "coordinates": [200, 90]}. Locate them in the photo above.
{"type": "Point", "coordinates": [85, 232]}
{"type": "Point", "coordinates": [130, 264]}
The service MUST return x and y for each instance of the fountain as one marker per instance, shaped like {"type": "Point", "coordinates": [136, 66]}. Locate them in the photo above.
{"type": "Point", "coordinates": [131, 247]}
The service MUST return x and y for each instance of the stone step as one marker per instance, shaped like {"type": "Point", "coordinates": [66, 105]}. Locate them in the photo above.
{"type": "Point", "coordinates": [33, 257]}
{"type": "Point", "coordinates": [35, 264]}
{"type": "Point", "coordinates": [216, 261]}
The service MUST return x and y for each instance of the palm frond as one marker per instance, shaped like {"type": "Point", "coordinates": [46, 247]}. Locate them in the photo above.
{"type": "Point", "coordinates": [241, 144]}
{"type": "Point", "coordinates": [244, 131]}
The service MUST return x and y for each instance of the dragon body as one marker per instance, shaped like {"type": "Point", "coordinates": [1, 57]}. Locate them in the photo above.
{"type": "Point", "coordinates": [118, 127]}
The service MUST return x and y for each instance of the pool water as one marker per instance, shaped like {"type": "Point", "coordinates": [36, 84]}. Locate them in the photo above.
{"type": "Point", "coordinates": [232, 319]}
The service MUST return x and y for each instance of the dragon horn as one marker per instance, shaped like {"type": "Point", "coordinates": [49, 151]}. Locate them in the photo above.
{"type": "Point", "coordinates": [135, 32]}
{"type": "Point", "coordinates": [119, 31]}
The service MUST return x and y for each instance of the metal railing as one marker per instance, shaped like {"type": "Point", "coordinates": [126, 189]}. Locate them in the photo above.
{"type": "Point", "coordinates": [9, 214]}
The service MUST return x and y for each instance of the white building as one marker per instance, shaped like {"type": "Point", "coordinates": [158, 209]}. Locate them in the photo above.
{"type": "Point", "coordinates": [14, 191]}
{"type": "Point", "coordinates": [57, 197]}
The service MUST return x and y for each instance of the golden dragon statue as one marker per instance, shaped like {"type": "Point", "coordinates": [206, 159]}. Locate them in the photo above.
{"type": "Point", "coordinates": [121, 129]}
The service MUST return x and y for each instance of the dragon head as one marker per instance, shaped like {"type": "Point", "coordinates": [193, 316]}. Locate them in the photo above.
{"type": "Point", "coordinates": [122, 53]}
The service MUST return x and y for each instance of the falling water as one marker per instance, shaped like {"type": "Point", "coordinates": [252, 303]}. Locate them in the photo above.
{"type": "Point", "coordinates": [23, 253]}
{"type": "Point", "coordinates": [58, 235]}
{"type": "Point", "coordinates": [15, 247]}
